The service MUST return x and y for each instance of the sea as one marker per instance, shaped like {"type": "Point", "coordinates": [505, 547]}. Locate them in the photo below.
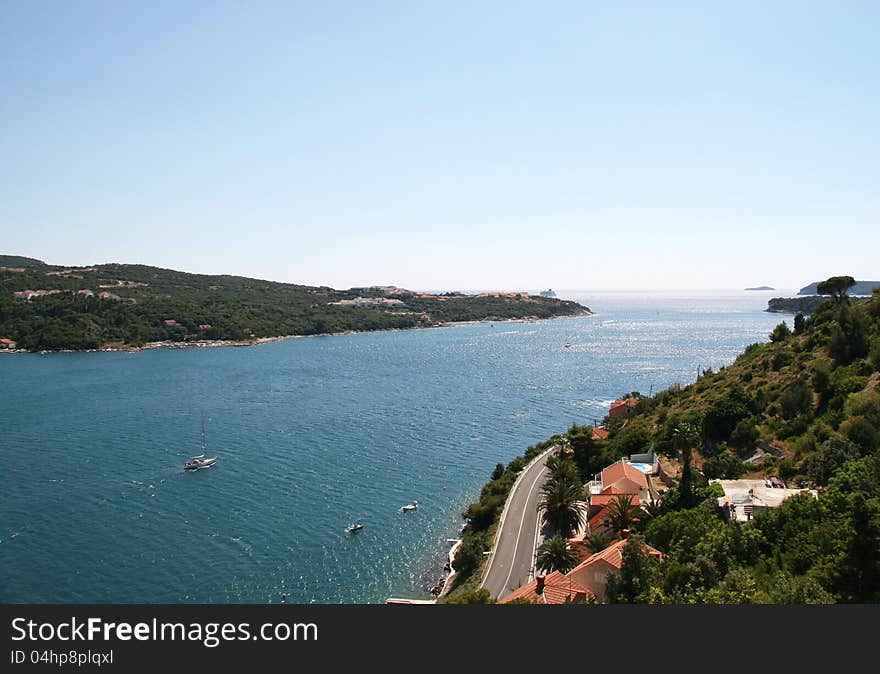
{"type": "Point", "coordinates": [312, 434]}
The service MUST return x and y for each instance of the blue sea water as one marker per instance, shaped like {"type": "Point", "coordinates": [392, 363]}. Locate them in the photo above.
{"type": "Point", "coordinates": [311, 433]}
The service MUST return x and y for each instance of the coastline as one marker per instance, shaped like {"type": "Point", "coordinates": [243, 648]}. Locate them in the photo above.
{"type": "Point", "coordinates": [259, 341]}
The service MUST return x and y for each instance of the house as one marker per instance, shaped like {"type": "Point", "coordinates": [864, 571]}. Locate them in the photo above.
{"type": "Point", "coordinates": [85, 292]}
{"type": "Point", "coordinates": [620, 478]}
{"type": "Point", "coordinates": [742, 498]}
{"type": "Point", "coordinates": [592, 573]}
{"type": "Point", "coordinates": [108, 296]}
{"type": "Point", "coordinates": [623, 477]}
{"type": "Point", "coordinates": [599, 433]}
{"type": "Point", "coordinates": [171, 323]}
{"type": "Point", "coordinates": [6, 343]}
{"type": "Point", "coordinates": [597, 511]}
{"type": "Point", "coordinates": [205, 326]}
{"type": "Point", "coordinates": [23, 294]}
{"type": "Point", "coordinates": [622, 408]}
{"type": "Point", "coordinates": [555, 588]}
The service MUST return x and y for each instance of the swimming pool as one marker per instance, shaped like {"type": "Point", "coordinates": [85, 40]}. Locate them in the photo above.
{"type": "Point", "coordinates": [644, 467]}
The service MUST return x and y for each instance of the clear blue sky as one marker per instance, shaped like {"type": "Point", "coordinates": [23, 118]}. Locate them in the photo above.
{"type": "Point", "coordinates": [449, 144]}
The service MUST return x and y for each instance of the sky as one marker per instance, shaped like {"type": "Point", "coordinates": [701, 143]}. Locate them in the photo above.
{"type": "Point", "coordinates": [439, 145]}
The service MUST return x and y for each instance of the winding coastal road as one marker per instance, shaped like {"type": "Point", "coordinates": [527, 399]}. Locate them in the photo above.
{"type": "Point", "coordinates": [510, 564]}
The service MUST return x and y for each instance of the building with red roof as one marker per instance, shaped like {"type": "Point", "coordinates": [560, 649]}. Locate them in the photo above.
{"type": "Point", "coordinates": [592, 573]}
{"type": "Point", "coordinates": [555, 588]}
{"type": "Point", "coordinates": [622, 408]}
{"type": "Point", "coordinates": [624, 478]}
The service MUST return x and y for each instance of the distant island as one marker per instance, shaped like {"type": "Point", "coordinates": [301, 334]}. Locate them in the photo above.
{"type": "Point", "coordinates": [860, 288]}
{"type": "Point", "coordinates": [761, 288]}
{"type": "Point", "coordinates": [124, 306]}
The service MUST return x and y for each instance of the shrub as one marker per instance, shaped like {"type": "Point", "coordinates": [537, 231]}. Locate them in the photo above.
{"type": "Point", "coordinates": [780, 333]}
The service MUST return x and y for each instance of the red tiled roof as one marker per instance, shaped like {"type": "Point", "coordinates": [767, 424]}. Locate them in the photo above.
{"type": "Point", "coordinates": [627, 402]}
{"type": "Point", "coordinates": [557, 589]}
{"type": "Point", "coordinates": [613, 556]}
{"type": "Point", "coordinates": [596, 519]}
{"type": "Point", "coordinates": [621, 469]}
{"type": "Point", "coordinates": [599, 433]}
{"type": "Point", "coordinates": [603, 499]}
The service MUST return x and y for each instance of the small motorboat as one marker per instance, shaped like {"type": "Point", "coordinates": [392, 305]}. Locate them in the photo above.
{"type": "Point", "coordinates": [412, 506]}
{"type": "Point", "coordinates": [199, 462]}
{"type": "Point", "coordinates": [357, 525]}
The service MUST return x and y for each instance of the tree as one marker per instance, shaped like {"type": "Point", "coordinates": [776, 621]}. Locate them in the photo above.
{"type": "Point", "coordinates": [799, 323]}
{"type": "Point", "coordinates": [472, 597]}
{"type": "Point", "coordinates": [723, 415]}
{"type": "Point", "coordinates": [780, 333]}
{"type": "Point", "coordinates": [620, 513]}
{"type": "Point", "coordinates": [858, 574]}
{"type": "Point", "coordinates": [555, 555]}
{"type": "Point", "coordinates": [599, 540]}
{"type": "Point", "coordinates": [796, 399]}
{"type": "Point", "coordinates": [684, 437]}
{"type": "Point", "coordinates": [562, 468]}
{"type": "Point", "coordinates": [836, 286]}
{"type": "Point", "coordinates": [561, 506]}
{"type": "Point", "coordinates": [638, 572]}
{"type": "Point", "coordinates": [745, 433]}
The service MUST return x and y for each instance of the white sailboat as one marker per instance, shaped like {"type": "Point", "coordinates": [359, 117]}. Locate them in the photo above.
{"type": "Point", "coordinates": [202, 460]}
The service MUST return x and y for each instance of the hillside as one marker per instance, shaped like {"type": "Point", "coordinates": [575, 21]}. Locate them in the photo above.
{"type": "Point", "coordinates": [19, 261]}
{"type": "Point", "coordinates": [792, 305]}
{"type": "Point", "coordinates": [810, 396]}
{"type": "Point", "coordinates": [91, 307]}
{"type": "Point", "coordinates": [860, 288]}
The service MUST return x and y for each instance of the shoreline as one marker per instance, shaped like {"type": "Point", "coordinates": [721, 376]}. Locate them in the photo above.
{"type": "Point", "coordinates": [259, 341]}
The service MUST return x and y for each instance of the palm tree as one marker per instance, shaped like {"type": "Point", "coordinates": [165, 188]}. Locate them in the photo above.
{"type": "Point", "coordinates": [620, 513]}
{"type": "Point", "coordinates": [599, 540]}
{"type": "Point", "coordinates": [561, 506]}
{"type": "Point", "coordinates": [562, 467]}
{"type": "Point", "coordinates": [555, 555]}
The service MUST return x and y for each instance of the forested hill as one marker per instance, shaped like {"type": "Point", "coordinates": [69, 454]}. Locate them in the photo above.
{"type": "Point", "coordinates": [91, 307]}
{"type": "Point", "coordinates": [19, 261]}
{"type": "Point", "coordinates": [859, 288]}
{"type": "Point", "coordinates": [811, 397]}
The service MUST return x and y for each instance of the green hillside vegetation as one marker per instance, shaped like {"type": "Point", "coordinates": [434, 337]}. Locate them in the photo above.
{"type": "Point", "coordinates": [811, 392]}
{"type": "Point", "coordinates": [19, 261]}
{"type": "Point", "coordinates": [792, 305]}
{"type": "Point", "coordinates": [235, 308]}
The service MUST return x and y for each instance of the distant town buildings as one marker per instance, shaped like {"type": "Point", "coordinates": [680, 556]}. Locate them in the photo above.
{"type": "Point", "coordinates": [370, 302]}
{"type": "Point", "coordinates": [30, 294]}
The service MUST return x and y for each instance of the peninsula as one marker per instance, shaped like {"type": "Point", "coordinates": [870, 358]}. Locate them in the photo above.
{"type": "Point", "coordinates": [46, 307]}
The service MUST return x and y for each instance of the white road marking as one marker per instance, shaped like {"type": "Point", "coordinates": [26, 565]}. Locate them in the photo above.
{"type": "Point", "coordinates": [519, 532]}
